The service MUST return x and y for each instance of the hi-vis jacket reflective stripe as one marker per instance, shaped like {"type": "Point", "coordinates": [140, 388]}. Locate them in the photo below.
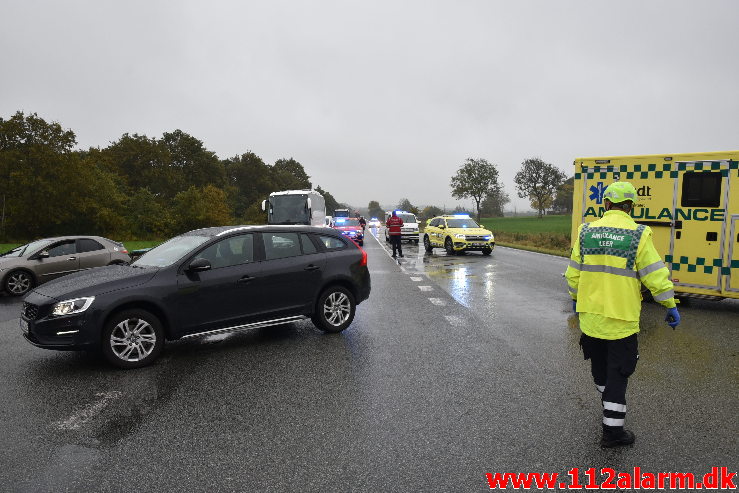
{"type": "Point", "coordinates": [609, 258]}
{"type": "Point", "coordinates": [394, 223]}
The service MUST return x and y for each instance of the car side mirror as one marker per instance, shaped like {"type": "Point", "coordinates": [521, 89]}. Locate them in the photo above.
{"type": "Point", "coordinates": [40, 255]}
{"type": "Point", "coordinates": [199, 264]}
{"type": "Point", "coordinates": [441, 226]}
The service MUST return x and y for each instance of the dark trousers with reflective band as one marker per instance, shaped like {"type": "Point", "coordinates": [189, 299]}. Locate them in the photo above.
{"type": "Point", "coordinates": [611, 363]}
{"type": "Point", "coordinates": [395, 241]}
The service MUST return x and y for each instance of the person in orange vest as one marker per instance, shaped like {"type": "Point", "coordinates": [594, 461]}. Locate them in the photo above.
{"type": "Point", "coordinates": [393, 225]}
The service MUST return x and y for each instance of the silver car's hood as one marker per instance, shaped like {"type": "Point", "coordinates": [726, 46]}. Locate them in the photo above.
{"type": "Point", "coordinates": [96, 281]}
{"type": "Point", "coordinates": [8, 262]}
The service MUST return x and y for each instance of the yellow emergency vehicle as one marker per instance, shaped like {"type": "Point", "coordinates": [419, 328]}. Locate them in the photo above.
{"type": "Point", "coordinates": [456, 234]}
{"type": "Point", "coordinates": [691, 203]}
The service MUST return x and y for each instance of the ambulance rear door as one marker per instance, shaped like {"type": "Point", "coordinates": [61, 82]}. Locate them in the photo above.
{"type": "Point", "coordinates": [699, 224]}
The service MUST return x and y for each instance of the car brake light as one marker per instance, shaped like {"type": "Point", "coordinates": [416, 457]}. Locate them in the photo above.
{"type": "Point", "coordinates": [363, 262]}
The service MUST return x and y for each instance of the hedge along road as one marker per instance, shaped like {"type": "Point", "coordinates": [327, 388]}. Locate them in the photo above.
{"type": "Point", "coordinates": [455, 366]}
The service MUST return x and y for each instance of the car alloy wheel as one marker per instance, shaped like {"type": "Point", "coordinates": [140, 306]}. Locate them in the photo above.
{"type": "Point", "coordinates": [449, 246]}
{"type": "Point", "coordinates": [427, 244]}
{"type": "Point", "coordinates": [18, 283]}
{"type": "Point", "coordinates": [132, 339]}
{"type": "Point", "coordinates": [335, 309]}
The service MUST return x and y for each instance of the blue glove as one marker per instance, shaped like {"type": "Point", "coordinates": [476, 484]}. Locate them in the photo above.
{"type": "Point", "coordinates": [672, 318]}
{"type": "Point", "coordinates": [574, 306]}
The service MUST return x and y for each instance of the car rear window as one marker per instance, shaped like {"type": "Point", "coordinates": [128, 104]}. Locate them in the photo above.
{"type": "Point", "coordinates": [332, 243]}
{"type": "Point", "coordinates": [88, 245]}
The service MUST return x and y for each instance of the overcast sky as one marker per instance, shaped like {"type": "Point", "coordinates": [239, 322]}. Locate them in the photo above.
{"type": "Point", "coordinates": [381, 100]}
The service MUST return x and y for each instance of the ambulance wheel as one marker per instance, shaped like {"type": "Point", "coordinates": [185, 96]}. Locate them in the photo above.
{"type": "Point", "coordinates": [487, 251]}
{"type": "Point", "coordinates": [427, 244]}
{"type": "Point", "coordinates": [449, 246]}
{"type": "Point", "coordinates": [415, 242]}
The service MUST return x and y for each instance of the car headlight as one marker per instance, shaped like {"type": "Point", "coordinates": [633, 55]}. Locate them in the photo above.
{"type": "Point", "coordinates": [461, 237]}
{"type": "Point", "coordinates": [487, 238]}
{"type": "Point", "coordinates": [69, 307]}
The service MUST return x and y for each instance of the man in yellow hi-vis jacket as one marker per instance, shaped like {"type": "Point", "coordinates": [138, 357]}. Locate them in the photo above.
{"type": "Point", "coordinates": [611, 258]}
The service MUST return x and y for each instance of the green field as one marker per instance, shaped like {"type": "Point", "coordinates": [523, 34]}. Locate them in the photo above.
{"type": "Point", "coordinates": [529, 224]}
{"type": "Point", "coordinates": [550, 234]}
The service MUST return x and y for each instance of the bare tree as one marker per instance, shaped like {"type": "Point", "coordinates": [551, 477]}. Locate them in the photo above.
{"type": "Point", "coordinates": [475, 179]}
{"type": "Point", "coordinates": [538, 181]}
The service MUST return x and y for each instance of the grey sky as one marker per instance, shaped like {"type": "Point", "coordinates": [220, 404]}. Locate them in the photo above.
{"type": "Point", "coordinates": [384, 99]}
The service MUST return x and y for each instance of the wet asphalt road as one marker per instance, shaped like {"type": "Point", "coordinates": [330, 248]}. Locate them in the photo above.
{"type": "Point", "coordinates": [455, 366]}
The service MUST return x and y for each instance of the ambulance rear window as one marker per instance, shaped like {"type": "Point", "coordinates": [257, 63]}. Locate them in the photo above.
{"type": "Point", "coordinates": [701, 190]}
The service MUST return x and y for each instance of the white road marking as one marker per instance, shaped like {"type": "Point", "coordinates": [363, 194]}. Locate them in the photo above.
{"type": "Point", "coordinates": [437, 301]}
{"type": "Point", "coordinates": [426, 288]}
{"type": "Point", "coordinates": [85, 414]}
{"type": "Point", "coordinates": [417, 279]}
{"type": "Point", "coordinates": [455, 320]}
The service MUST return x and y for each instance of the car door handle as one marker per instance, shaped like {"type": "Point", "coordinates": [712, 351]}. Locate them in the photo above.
{"type": "Point", "coordinates": [72, 258]}
{"type": "Point", "coordinates": [312, 267]}
{"type": "Point", "coordinates": [246, 279]}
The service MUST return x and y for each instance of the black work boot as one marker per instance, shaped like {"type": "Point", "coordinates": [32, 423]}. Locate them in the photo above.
{"type": "Point", "coordinates": [616, 436]}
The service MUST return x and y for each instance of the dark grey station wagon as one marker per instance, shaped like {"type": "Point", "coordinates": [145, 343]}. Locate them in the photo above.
{"type": "Point", "coordinates": [207, 281]}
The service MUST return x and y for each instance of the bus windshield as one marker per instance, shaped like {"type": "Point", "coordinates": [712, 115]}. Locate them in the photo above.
{"type": "Point", "coordinates": [288, 209]}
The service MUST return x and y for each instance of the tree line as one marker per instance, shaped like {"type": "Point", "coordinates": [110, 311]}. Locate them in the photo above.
{"type": "Point", "coordinates": [136, 187]}
{"type": "Point", "coordinates": [545, 185]}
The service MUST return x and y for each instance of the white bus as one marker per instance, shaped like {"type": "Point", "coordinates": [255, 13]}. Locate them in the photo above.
{"type": "Point", "coordinates": [295, 207]}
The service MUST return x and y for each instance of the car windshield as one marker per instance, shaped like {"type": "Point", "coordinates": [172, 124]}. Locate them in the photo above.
{"type": "Point", "coordinates": [170, 251]}
{"type": "Point", "coordinates": [288, 209]}
{"type": "Point", "coordinates": [462, 223]}
{"type": "Point", "coordinates": [26, 249]}
{"type": "Point", "coordinates": [408, 218]}
{"type": "Point", "coordinates": [347, 222]}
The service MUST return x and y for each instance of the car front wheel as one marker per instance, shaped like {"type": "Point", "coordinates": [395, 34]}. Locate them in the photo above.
{"type": "Point", "coordinates": [132, 339]}
{"type": "Point", "coordinates": [449, 246]}
{"type": "Point", "coordinates": [487, 251]}
{"type": "Point", "coordinates": [18, 283]}
{"type": "Point", "coordinates": [334, 310]}
{"type": "Point", "coordinates": [427, 244]}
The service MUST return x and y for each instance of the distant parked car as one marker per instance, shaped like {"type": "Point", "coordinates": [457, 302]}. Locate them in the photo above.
{"type": "Point", "coordinates": [207, 281]}
{"type": "Point", "coordinates": [32, 264]}
{"type": "Point", "coordinates": [374, 223]}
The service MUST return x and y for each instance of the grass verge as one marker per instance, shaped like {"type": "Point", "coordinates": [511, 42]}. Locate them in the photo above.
{"type": "Point", "coordinates": [550, 234]}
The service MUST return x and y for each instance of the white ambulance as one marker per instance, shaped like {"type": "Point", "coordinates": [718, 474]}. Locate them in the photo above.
{"type": "Point", "coordinates": [691, 203]}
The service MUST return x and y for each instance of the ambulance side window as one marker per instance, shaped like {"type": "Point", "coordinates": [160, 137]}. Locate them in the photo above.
{"type": "Point", "coordinates": [701, 190]}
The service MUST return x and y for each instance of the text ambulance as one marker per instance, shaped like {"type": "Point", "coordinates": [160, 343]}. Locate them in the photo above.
{"type": "Point", "coordinates": [691, 203]}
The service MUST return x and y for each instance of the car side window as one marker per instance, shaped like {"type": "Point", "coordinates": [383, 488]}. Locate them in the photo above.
{"type": "Point", "coordinates": [435, 222]}
{"type": "Point", "coordinates": [308, 246]}
{"type": "Point", "coordinates": [281, 245]}
{"type": "Point", "coordinates": [88, 245]}
{"type": "Point", "coordinates": [332, 243]}
{"type": "Point", "coordinates": [64, 248]}
{"type": "Point", "coordinates": [235, 250]}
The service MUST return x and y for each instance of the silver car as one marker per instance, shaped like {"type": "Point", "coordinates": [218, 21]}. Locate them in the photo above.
{"type": "Point", "coordinates": [29, 265]}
